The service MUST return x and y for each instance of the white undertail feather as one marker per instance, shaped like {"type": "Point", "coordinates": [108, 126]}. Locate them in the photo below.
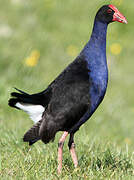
{"type": "Point", "coordinates": [34, 111]}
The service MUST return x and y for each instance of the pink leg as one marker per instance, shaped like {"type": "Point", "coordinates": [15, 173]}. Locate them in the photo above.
{"type": "Point", "coordinates": [73, 155]}
{"type": "Point", "coordinates": [71, 146]}
{"type": "Point", "coordinates": [60, 148]}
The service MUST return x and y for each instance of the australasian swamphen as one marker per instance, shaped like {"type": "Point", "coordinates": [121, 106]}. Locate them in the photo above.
{"type": "Point", "coordinates": [71, 99]}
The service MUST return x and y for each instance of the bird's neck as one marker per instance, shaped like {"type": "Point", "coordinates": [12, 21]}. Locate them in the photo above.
{"type": "Point", "coordinates": [99, 33]}
{"type": "Point", "coordinates": [97, 43]}
{"type": "Point", "coordinates": [95, 55]}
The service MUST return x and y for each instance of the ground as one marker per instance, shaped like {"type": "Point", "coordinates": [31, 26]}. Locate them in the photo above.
{"type": "Point", "coordinates": [37, 41]}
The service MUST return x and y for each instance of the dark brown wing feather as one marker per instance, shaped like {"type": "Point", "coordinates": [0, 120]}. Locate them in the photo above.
{"type": "Point", "coordinates": [32, 135]}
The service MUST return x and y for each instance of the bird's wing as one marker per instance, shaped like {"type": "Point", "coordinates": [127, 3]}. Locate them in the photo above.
{"type": "Point", "coordinates": [70, 95]}
{"type": "Point", "coordinates": [32, 135]}
{"type": "Point", "coordinates": [68, 103]}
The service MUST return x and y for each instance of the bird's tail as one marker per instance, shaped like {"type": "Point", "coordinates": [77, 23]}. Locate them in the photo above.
{"type": "Point", "coordinates": [33, 104]}
{"type": "Point", "coordinates": [24, 98]}
{"type": "Point", "coordinates": [32, 135]}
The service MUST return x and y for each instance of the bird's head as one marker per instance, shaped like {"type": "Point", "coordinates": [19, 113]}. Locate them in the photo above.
{"type": "Point", "coordinates": [109, 13]}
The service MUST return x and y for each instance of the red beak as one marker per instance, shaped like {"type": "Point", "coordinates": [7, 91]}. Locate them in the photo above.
{"type": "Point", "coordinates": [117, 15]}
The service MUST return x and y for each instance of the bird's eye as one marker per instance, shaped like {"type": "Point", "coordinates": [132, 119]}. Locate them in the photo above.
{"type": "Point", "coordinates": [109, 11]}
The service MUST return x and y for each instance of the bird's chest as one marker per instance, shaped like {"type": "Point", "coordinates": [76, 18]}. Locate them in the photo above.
{"type": "Point", "coordinates": [98, 78]}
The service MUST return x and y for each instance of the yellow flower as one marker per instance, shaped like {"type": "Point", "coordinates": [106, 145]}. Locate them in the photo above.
{"type": "Point", "coordinates": [33, 59]}
{"type": "Point", "coordinates": [115, 48]}
{"type": "Point", "coordinates": [72, 50]}
{"type": "Point", "coordinates": [116, 2]}
{"type": "Point", "coordinates": [128, 141]}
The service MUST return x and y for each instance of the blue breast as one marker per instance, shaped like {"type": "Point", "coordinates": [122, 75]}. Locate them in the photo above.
{"type": "Point", "coordinates": [95, 55]}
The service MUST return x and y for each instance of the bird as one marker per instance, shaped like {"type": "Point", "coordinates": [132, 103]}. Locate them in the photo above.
{"type": "Point", "coordinates": [71, 99]}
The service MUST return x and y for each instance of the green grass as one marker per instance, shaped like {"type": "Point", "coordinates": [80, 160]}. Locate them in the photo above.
{"type": "Point", "coordinates": [105, 143]}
